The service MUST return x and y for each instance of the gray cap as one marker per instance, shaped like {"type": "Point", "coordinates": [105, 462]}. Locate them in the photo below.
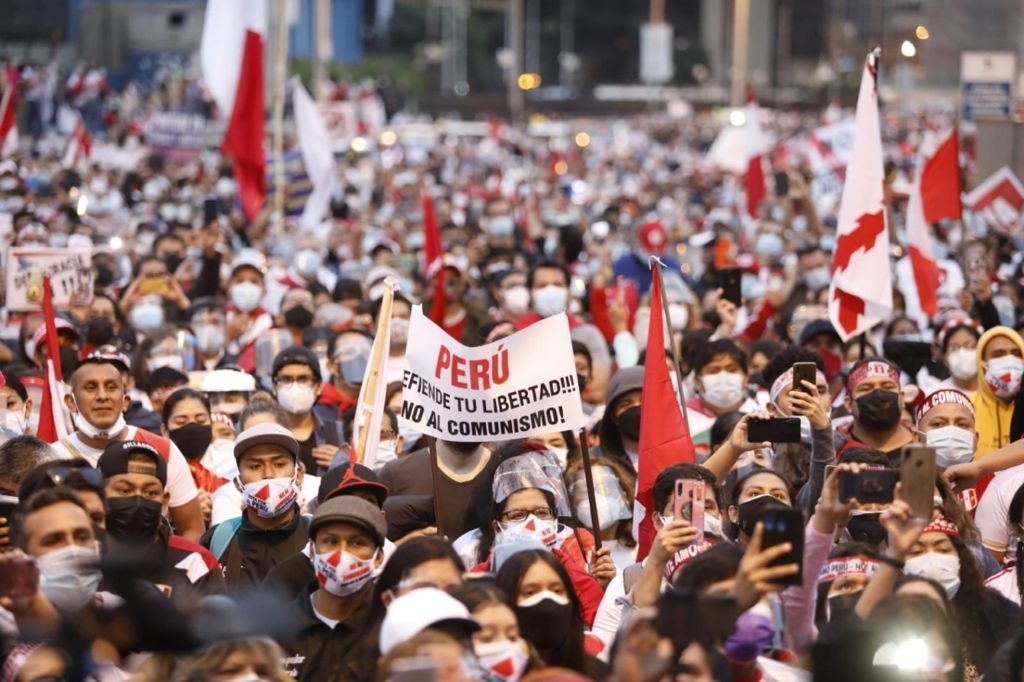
{"type": "Point", "coordinates": [354, 510]}
{"type": "Point", "coordinates": [624, 381]}
{"type": "Point", "coordinates": [269, 433]}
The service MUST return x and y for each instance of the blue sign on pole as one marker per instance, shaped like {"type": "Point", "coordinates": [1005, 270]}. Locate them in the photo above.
{"type": "Point", "coordinates": [986, 100]}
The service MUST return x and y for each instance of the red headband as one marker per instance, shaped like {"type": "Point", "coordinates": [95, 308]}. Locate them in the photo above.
{"type": "Point", "coordinates": [222, 418]}
{"type": "Point", "coordinates": [847, 565]}
{"type": "Point", "coordinates": [944, 396]}
{"type": "Point", "coordinates": [872, 368]}
{"type": "Point", "coordinates": [685, 555]}
{"type": "Point", "coordinates": [955, 323]}
{"type": "Point", "coordinates": [942, 525]}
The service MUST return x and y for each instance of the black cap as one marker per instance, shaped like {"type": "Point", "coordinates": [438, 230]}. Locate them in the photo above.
{"type": "Point", "coordinates": [116, 456]}
{"type": "Point", "coordinates": [362, 480]}
{"type": "Point", "coordinates": [816, 327]}
{"type": "Point", "coordinates": [297, 355]}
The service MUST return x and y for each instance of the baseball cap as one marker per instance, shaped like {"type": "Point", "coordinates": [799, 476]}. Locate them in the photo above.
{"type": "Point", "coordinates": [269, 433]}
{"type": "Point", "coordinates": [62, 325]}
{"type": "Point", "coordinates": [297, 355]}
{"type": "Point", "coordinates": [113, 355]}
{"type": "Point", "coordinates": [354, 510]}
{"type": "Point", "coordinates": [363, 479]}
{"type": "Point", "coordinates": [816, 327]}
{"type": "Point", "coordinates": [249, 258]}
{"type": "Point", "coordinates": [116, 457]}
{"type": "Point", "coordinates": [228, 381]}
{"type": "Point", "coordinates": [415, 611]}
{"type": "Point", "coordinates": [653, 237]}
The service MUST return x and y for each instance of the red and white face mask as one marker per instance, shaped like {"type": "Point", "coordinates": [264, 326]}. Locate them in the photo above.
{"type": "Point", "coordinates": [270, 497]}
{"type": "Point", "coordinates": [504, 660]}
{"type": "Point", "coordinates": [546, 531]}
{"type": "Point", "coordinates": [342, 573]}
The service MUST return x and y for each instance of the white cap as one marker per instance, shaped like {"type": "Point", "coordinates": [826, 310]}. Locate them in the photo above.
{"type": "Point", "coordinates": [228, 381]}
{"type": "Point", "coordinates": [416, 611]}
{"type": "Point", "coordinates": [249, 257]}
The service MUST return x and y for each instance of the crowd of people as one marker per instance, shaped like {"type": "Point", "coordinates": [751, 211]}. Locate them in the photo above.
{"type": "Point", "coordinates": [203, 520]}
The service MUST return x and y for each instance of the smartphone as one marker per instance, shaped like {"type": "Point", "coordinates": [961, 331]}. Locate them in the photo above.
{"type": "Point", "coordinates": [785, 525]}
{"type": "Point", "coordinates": [689, 505]}
{"type": "Point", "coordinates": [152, 285]}
{"type": "Point", "coordinates": [781, 184]}
{"type": "Point", "coordinates": [20, 578]}
{"type": "Point", "coordinates": [729, 281]}
{"type": "Point", "coordinates": [211, 210]}
{"type": "Point", "coordinates": [917, 479]}
{"type": "Point", "coordinates": [804, 371]}
{"type": "Point", "coordinates": [7, 505]}
{"type": "Point", "coordinates": [777, 430]}
{"type": "Point", "coordinates": [685, 616]}
{"type": "Point", "coordinates": [869, 486]}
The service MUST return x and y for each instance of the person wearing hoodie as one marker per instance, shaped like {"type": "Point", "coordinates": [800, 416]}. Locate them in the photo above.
{"type": "Point", "coordinates": [1000, 367]}
{"type": "Point", "coordinates": [619, 428]}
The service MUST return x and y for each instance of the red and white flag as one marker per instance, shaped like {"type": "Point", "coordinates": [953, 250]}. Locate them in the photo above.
{"type": "Point", "coordinates": [664, 432]}
{"type": "Point", "coordinates": [998, 201]}
{"type": "Point", "coordinates": [934, 196]}
{"type": "Point", "coordinates": [79, 147]}
{"type": "Point", "coordinates": [231, 54]}
{"type": "Point", "coordinates": [8, 124]}
{"type": "Point", "coordinates": [52, 413]}
{"type": "Point", "coordinates": [755, 144]}
{"type": "Point", "coordinates": [433, 260]}
{"type": "Point", "coordinates": [860, 294]}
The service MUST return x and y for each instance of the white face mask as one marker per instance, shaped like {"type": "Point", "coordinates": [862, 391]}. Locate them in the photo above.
{"type": "Point", "coordinates": [537, 598]}
{"type": "Point", "coordinates": [1003, 375]}
{"type": "Point", "coordinates": [296, 399]}
{"type": "Point", "coordinates": [147, 316]}
{"type": "Point", "coordinates": [545, 532]}
{"type": "Point", "coordinates": [342, 573]}
{"type": "Point", "coordinates": [69, 576]}
{"type": "Point", "coordinates": [723, 389]}
{"type": "Point", "coordinates": [817, 278]}
{"type": "Point", "coordinates": [550, 300]}
{"type": "Point", "coordinates": [209, 337]}
{"type": "Point", "coordinates": [387, 451]}
{"type": "Point", "coordinates": [15, 421]}
{"type": "Point", "coordinates": [172, 361]}
{"type": "Point", "coordinates": [952, 444]}
{"type": "Point", "coordinates": [87, 428]}
{"type": "Point", "coordinates": [246, 296]}
{"type": "Point", "coordinates": [963, 363]}
{"type": "Point", "coordinates": [517, 300]}
{"type": "Point", "coordinates": [270, 497]}
{"type": "Point", "coordinates": [942, 568]}
{"type": "Point", "coordinates": [505, 659]}
{"type": "Point", "coordinates": [399, 331]}
{"type": "Point", "coordinates": [713, 525]}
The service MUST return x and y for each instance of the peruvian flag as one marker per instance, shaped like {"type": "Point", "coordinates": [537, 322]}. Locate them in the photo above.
{"type": "Point", "coordinates": [52, 420]}
{"type": "Point", "coordinates": [664, 432]}
{"type": "Point", "coordinates": [231, 54]}
{"type": "Point", "coordinates": [860, 294]}
{"type": "Point", "coordinates": [935, 196]}
{"type": "Point", "coordinates": [998, 200]}
{"type": "Point", "coordinates": [433, 260]}
{"type": "Point", "coordinates": [755, 144]}
{"type": "Point", "coordinates": [8, 126]}
{"type": "Point", "coordinates": [79, 147]}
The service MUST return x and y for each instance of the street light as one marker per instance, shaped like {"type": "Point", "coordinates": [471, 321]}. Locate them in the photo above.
{"type": "Point", "coordinates": [922, 33]}
{"type": "Point", "coordinates": [907, 49]}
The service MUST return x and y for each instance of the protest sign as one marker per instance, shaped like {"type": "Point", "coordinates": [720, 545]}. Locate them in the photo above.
{"type": "Point", "coordinates": [176, 133]}
{"type": "Point", "coordinates": [522, 385]}
{"type": "Point", "coordinates": [70, 272]}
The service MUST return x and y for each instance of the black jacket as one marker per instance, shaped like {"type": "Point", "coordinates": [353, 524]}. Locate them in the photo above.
{"type": "Point", "coordinates": [253, 551]}
{"type": "Point", "coordinates": [316, 652]}
{"type": "Point", "coordinates": [290, 578]}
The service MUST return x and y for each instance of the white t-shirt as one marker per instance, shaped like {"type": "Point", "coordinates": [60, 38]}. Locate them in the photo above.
{"type": "Point", "coordinates": [1005, 583]}
{"type": "Point", "coordinates": [227, 500]}
{"type": "Point", "coordinates": [990, 517]}
{"type": "Point", "coordinates": [179, 479]}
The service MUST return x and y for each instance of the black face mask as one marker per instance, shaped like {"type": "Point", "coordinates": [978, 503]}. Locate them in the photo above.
{"type": "Point", "coordinates": [99, 331]}
{"type": "Point", "coordinates": [192, 439]}
{"type": "Point", "coordinates": [545, 625]}
{"type": "Point", "coordinates": [629, 423]}
{"type": "Point", "coordinates": [298, 316]}
{"type": "Point", "coordinates": [867, 528]}
{"type": "Point", "coordinates": [464, 448]}
{"type": "Point", "coordinates": [879, 409]}
{"type": "Point", "coordinates": [68, 360]}
{"type": "Point", "coordinates": [133, 519]}
{"type": "Point", "coordinates": [582, 381]}
{"type": "Point", "coordinates": [173, 261]}
{"type": "Point", "coordinates": [841, 606]}
{"type": "Point", "coordinates": [104, 276]}
{"type": "Point", "coordinates": [753, 510]}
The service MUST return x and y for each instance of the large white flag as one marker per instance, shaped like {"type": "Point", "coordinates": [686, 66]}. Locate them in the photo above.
{"type": "Point", "coordinates": [317, 154]}
{"type": "Point", "coordinates": [370, 406]}
{"type": "Point", "coordinates": [860, 294]}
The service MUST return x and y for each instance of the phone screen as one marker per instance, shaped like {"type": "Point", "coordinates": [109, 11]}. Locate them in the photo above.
{"type": "Point", "coordinates": [785, 525]}
{"type": "Point", "coordinates": [689, 505]}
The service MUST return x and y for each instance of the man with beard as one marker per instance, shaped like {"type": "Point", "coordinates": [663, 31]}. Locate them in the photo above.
{"type": "Point", "coordinates": [874, 399]}
{"type": "Point", "coordinates": [461, 469]}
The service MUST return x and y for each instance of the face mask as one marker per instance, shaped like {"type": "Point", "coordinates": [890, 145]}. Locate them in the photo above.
{"type": "Point", "coordinates": [629, 423]}
{"type": "Point", "coordinates": [296, 399]}
{"type": "Point", "coordinates": [817, 278]}
{"type": "Point", "coordinates": [769, 247]}
{"type": "Point", "coordinates": [86, 427]}
{"type": "Point", "coordinates": [134, 519]}
{"type": "Point", "coordinates": [325, 369]}
{"type": "Point", "coordinates": [68, 577]}
{"type": "Point", "coordinates": [544, 619]}
{"type": "Point", "coordinates": [245, 296]}
{"type": "Point", "coordinates": [68, 360]}
{"type": "Point", "coordinates": [952, 444]}
{"type": "Point", "coordinates": [752, 636]}
{"type": "Point", "coordinates": [680, 316]}
{"type": "Point", "coordinates": [98, 331]}
{"type": "Point", "coordinates": [505, 659]}
{"type": "Point", "coordinates": [209, 337]}
{"type": "Point", "coordinates": [173, 262]}
{"type": "Point", "coordinates": [840, 606]}
{"type": "Point", "coordinates": [172, 361]}
{"type": "Point", "coordinates": [550, 300]}
{"type": "Point", "coordinates": [1003, 375]}
{"type": "Point", "coordinates": [147, 316]}
{"type": "Point", "coordinates": [342, 573]}
{"type": "Point", "coordinates": [545, 532]}
{"type": "Point", "coordinates": [386, 452]}
{"type": "Point", "coordinates": [270, 497]}
{"type": "Point", "coordinates": [307, 262]}
{"type": "Point", "coordinates": [517, 300]}
{"type": "Point", "coordinates": [399, 331]}
{"type": "Point", "coordinates": [713, 525]}
{"type": "Point", "coordinates": [833, 363]}
{"type": "Point", "coordinates": [298, 316]}
{"type": "Point", "coordinates": [753, 510]}
{"type": "Point", "coordinates": [864, 526]}
{"type": "Point", "coordinates": [15, 421]}
{"type": "Point", "coordinates": [963, 363]}
{"type": "Point", "coordinates": [799, 225]}
{"type": "Point", "coordinates": [192, 439]}
{"type": "Point", "coordinates": [879, 409]}
{"type": "Point", "coordinates": [612, 505]}
{"type": "Point", "coordinates": [501, 226]}
{"type": "Point", "coordinates": [942, 568]}
{"type": "Point", "coordinates": [722, 390]}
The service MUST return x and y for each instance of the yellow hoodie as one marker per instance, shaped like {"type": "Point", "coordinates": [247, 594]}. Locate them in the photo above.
{"type": "Point", "coordinates": [992, 414]}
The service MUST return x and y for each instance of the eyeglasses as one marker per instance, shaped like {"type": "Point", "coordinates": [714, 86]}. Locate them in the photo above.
{"type": "Point", "coordinates": [288, 381]}
{"type": "Point", "coordinates": [520, 515]}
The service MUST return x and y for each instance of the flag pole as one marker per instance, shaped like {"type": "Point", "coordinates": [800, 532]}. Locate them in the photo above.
{"type": "Point", "coordinates": [656, 272]}
{"type": "Point", "coordinates": [588, 476]}
{"type": "Point", "coordinates": [376, 361]}
{"type": "Point", "coordinates": [435, 484]}
{"type": "Point", "coordinates": [280, 67]}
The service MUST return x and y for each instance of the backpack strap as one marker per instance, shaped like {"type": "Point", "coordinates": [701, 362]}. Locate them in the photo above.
{"type": "Point", "coordinates": [222, 536]}
{"type": "Point", "coordinates": [630, 576]}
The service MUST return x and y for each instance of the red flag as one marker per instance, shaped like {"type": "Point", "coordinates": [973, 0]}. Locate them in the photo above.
{"type": "Point", "coordinates": [940, 182]}
{"type": "Point", "coordinates": [79, 145]}
{"type": "Point", "coordinates": [8, 126]}
{"type": "Point", "coordinates": [52, 426]}
{"type": "Point", "coordinates": [664, 432]}
{"type": "Point", "coordinates": [755, 158]}
{"type": "Point", "coordinates": [433, 260]}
